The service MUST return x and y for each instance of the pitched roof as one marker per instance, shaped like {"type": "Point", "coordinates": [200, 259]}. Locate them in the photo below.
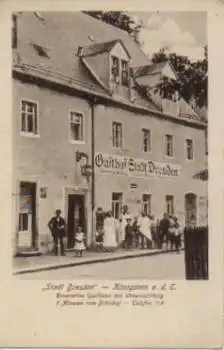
{"type": "Point", "coordinates": [150, 76]}
{"type": "Point", "coordinates": [144, 80]}
{"type": "Point", "coordinates": [61, 34]}
{"type": "Point", "coordinates": [98, 48]}
{"type": "Point", "coordinates": [149, 69]}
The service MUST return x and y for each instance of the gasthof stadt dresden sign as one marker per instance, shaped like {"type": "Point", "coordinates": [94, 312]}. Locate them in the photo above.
{"type": "Point", "coordinates": [129, 166]}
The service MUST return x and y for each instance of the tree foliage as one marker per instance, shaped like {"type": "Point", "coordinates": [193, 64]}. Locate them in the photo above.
{"type": "Point", "coordinates": [192, 79]}
{"type": "Point", "coordinates": [120, 20]}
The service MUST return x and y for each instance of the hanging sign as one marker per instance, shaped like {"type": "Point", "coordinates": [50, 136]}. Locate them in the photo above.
{"type": "Point", "coordinates": [135, 167]}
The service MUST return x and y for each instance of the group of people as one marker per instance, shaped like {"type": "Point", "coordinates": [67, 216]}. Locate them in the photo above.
{"type": "Point", "coordinates": [142, 231]}
{"type": "Point", "coordinates": [57, 227]}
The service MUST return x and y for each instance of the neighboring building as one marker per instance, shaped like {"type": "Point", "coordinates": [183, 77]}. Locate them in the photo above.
{"type": "Point", "coordinates": [80, 85]}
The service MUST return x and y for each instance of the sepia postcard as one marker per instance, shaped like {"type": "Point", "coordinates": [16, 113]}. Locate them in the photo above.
{"type": "Point", "coordinates": [111, 174]}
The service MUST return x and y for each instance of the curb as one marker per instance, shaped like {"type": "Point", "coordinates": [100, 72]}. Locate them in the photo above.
{"type": "Point", "coordinates": [88, 262]}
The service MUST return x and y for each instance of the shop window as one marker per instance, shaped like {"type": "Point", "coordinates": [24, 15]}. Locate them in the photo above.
{"type": "Point", "coordinates": [124, 73]}
{"type": "Point", "coordinates": [170, 205]}
{"type": "Point", "coordinates": [189, 149]}
{"type": "Point", "coordinates": [146, 140]}
{"type": "Point", "coordinates": [115, 71]}
{"type": "Point", "coordinates": [146, 204]}
{"type": "Point", "coordinates": [117, 199]}
{"type": "Point", "coordinates": [76, 126]}
{"type": "Point", "coordinates": [117, 135]}
{"type": "Point", "coordinates": [29, 117]}
{"type": "Point", "coordinates": [169, 145]}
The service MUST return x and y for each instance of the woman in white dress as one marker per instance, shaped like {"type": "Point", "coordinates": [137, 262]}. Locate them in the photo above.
{"type": "Point", "coordinates": [110, 228]}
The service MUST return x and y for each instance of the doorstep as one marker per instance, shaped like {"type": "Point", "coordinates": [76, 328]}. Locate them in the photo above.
{"type": "Point", "coordinates": [27, 254]}
{"type": "Point", "coordinates": [23, 265]}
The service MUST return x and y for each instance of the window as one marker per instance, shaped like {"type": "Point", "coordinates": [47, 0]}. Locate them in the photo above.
{"type": "Point", "coordinates": [146, 139]}
{"type": "Point", "coordinates": [115, 67]}
{"type": "Point", "coordinates": [169, 205]}
{"type": "Point", "coordinates": [119, 71]}
{"type": "Point", "coordinates": [124, 73]}
{"type": "Point", "coordinates": [76, 126]}
{"type": "Point", "coordinates": [117, 135]}
{"type": "Point", "coordinates": [117, 199]}
{"type": "Point", "coordinates": [29, 117]}
{"type": "Point", "coordinates": [23, 222]}
{"type": "Point", "coordinates": [41, 51]}
{"type": "Point", "coordinates": [26, 205]}
{"type": "Point", "coordinates": [146, 204]}
{"type": "Point", "coordinates": [169, 145]}
{"type": "Point", "coordinates": [189, 149]}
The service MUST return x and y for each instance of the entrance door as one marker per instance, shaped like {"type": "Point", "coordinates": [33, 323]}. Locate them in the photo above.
{"type": "Point", "coordinates": [27, 216]}
{"type": "Point", "coordinates": [190, 208]}
{"type": "Point", "coordinates": [76, 216]}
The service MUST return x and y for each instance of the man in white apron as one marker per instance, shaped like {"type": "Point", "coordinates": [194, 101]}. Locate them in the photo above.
{"type": "Point", "coordinates": [144, 224]}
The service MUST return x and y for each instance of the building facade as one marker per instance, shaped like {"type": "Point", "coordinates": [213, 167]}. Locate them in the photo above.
{"type": "Point", "coordinates": [91, 107]}
{"type": "Point", "coordinates": [151, 167]}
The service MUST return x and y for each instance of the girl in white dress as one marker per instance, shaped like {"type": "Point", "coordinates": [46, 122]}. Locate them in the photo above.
{"type": "Point", "coordinates": [79, 242]}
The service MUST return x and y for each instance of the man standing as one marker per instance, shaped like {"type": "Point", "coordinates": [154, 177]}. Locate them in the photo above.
{"type": "Point", "coordinates": [57, 228]}
{"type": "Point", "coordinates": [123, 222]}
{"type": "Point", "coordinates": [153, 227]}
{"type": "Point", "coordinates": [145, 231]}
{"type": "Point", "coordinates": [164, 230]}
{"type": "Point", "coordinates": [128, 234]}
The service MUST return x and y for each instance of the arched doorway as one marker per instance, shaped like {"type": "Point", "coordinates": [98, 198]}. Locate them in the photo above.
{"type": "Point", "coordinates": [190, 208]}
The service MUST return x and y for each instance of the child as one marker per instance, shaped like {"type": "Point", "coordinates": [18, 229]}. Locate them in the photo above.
{"type": "Point", "coordinates": [79, 241]}
{"type": "Point", "coordinates": [99, 240]}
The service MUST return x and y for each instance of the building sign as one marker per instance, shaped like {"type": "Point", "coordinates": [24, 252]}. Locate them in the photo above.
{"type": "Point", "coordinates": [128, 166]}
{"type": "Point", "coordinates": [132, 187]}
{"type": "Point", "coordinates": [43, 192]}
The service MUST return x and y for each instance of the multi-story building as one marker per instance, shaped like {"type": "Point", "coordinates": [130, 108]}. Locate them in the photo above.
{"type": "Point", "coordinates": [84, 94]}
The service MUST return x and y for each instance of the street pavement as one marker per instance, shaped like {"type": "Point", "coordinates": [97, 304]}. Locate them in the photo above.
{"type": "Point", "coordinates": [156, 267]}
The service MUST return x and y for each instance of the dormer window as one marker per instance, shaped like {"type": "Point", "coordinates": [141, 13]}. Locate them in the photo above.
{"type": "Point", "coordinates": [115, 67]}
{"type": "Point", "coordinates": [119, 71]}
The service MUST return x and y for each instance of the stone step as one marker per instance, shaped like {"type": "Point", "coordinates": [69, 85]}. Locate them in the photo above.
{"type": "Point", "coordinates": [28, 254]}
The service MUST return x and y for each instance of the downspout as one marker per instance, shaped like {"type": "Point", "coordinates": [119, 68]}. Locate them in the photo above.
{"type": "Point", "coordinates": [93, 219]}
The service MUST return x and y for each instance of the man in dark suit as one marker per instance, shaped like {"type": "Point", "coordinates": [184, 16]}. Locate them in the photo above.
{"type": "Point", "coordinates": [164, 230]}
{"type": "Point", "coordinates": [57, 228]}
